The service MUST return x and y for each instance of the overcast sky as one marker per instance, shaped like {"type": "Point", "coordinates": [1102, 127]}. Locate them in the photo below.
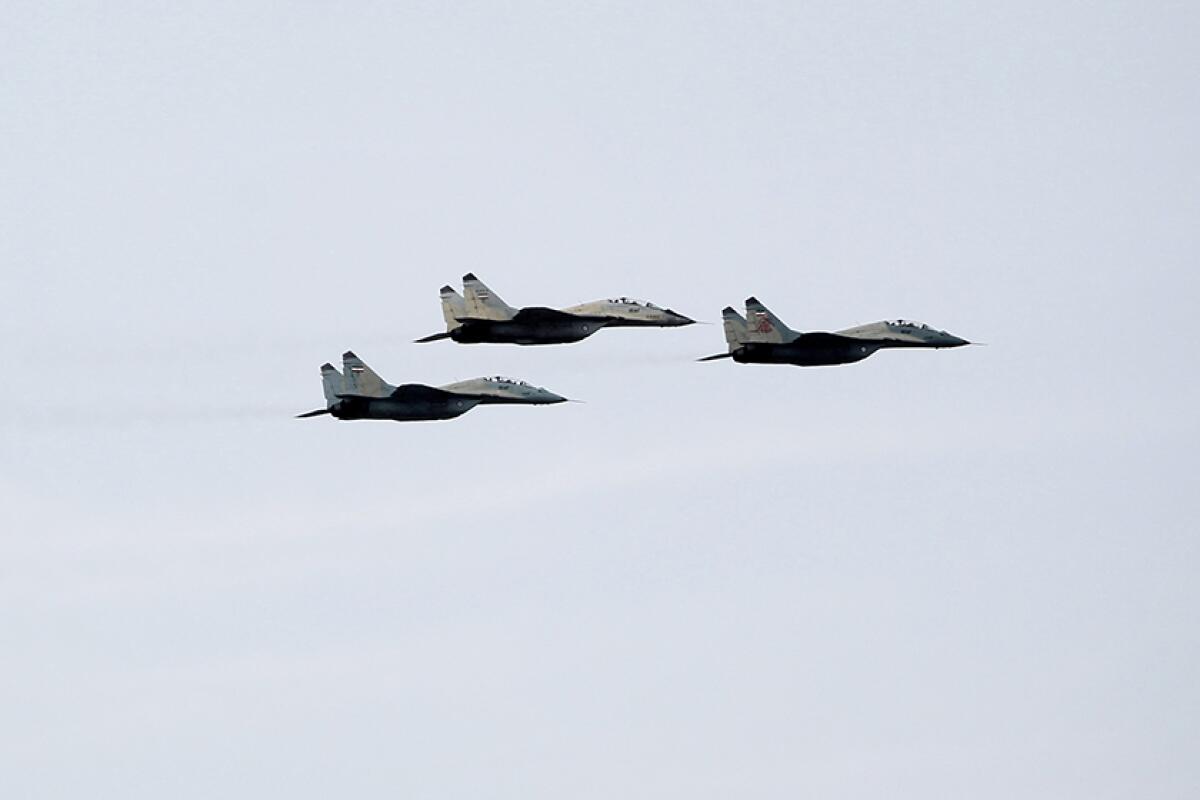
{"type": "Point", "coordinates": [961, 573]}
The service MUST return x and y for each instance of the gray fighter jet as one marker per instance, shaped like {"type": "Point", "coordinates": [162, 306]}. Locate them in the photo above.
{"type": "Point", "coordinates": [479, 315]}
{"type": "Point", "coordinates": [761, 338]}
{"type": "Point", "coordinates": [359, 393]}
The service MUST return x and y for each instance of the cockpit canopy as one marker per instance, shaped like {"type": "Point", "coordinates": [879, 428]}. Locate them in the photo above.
{"type": "Point", "coordinates": [502, 379]}
{"type": "Point", "coordinates": [908, 323]}
{"type": "Point", "coordinates": [629, 301]}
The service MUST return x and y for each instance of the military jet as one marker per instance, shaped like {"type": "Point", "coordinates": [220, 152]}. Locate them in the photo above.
{"type": "Point", "coordinates": [479, 315]}
{"type": "Point", "coordinates": [761, 338]}
{"type": "Point", "coordinates": [359, 393]}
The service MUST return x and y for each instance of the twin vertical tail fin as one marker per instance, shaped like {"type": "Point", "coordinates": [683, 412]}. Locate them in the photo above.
{"type": "Point", "coordinates": [482, 302]}
{"type": "Point", "coordinates": [476, 302]}
{"type": "Point", "coordinates": [758, 326]}
{"type": "Point", "coordinates": [736, 333]}
{"type": "Point", "coordinates": [331, 382]}
{"type": "Point", "coordinates": [454, 307]}
{"type": "Point", "coordinates": [764, 326]}
{"type": "Point", "coordinates": [359, 379]}
{"type": "Point", "coordinates": [454, 310]}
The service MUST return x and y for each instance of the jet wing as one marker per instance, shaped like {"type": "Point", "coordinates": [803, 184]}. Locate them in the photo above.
{"type": "Point", "coordinates": [416, 392]}
{"type": "Point", "coordinates": [823, 337]}
{"type": "Point", "coordinates": [539, 314]}
{"type": "Point", "coordinates": [534, 315]}
{"type": "Point", "coordinates": [420, 393]}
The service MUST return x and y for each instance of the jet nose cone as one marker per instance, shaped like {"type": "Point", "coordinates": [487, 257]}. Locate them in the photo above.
{"type": "Point", "coordinates": [675, 319]}
{"type": "Point", "coordinates": [954, 341]}
{"type": "Point", "coordinates": [542, 397]}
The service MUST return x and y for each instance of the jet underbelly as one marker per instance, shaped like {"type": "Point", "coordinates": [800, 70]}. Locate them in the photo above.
{"type": "Point", "coordinates": [511, 332]}
{"type": "Point", "coordinates": [808, 350]}
{"type": "Point", "coordinates": [417, 410]}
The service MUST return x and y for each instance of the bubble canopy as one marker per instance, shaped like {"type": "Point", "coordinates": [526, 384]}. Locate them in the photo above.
{"type": "Point", "coordinates": [629, 301]}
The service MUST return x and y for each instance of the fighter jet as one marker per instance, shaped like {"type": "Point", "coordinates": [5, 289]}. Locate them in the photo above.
{"type": "Point", "coordinates": [479, 315]}
{"type": "Point", "coordinates": [761, 338]}
{"type": "Point", "coordinates": [359, 393]}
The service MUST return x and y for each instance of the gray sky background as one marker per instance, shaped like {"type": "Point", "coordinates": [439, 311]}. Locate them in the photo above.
{"type": "Point", "coordinates": [933, 574]}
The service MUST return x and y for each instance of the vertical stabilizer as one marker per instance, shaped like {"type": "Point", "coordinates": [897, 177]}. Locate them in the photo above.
{"type": "Point", "coordinates": [763, 326]}
{"type": "Point", "coordinates": [736, 333]}
{"type": "Point", "coordinates": [482, 302]}
{"type": "Point", "coordinates": [360, 379]}
{"type": "Point", "coordinates": [331, 382]}
{"type": "Point", "coordinates": [454, 307]}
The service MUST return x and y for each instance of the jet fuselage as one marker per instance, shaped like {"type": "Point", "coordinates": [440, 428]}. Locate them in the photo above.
{"type": "Point", "coordinates": [821, 349]}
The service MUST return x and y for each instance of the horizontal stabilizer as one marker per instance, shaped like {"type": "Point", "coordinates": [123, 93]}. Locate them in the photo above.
{"type": "Point", "coordinates": [434, 337]}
